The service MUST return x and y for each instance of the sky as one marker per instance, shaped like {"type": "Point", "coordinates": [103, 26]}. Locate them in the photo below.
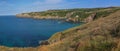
{"type": "Point", "coordinates": [12, 7]}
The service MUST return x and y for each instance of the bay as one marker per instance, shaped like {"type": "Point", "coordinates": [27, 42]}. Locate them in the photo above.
{"type": "Point", "coordinates": [27, 32]}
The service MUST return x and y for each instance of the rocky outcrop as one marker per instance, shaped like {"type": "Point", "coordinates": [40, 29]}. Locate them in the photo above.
{"type": "Point", "coordinates": [23, 15]}
{"type": "Point", "coordinates": [97, 35]}
{"type": "Point", "coordinates": [70, 18]}
{"type": "Point", "coordinates": [75, 20]}
{"type": "Point", "coordinates": [44, 42]}
{"type": "Point", "coordinates": [38, 17]}
{"type": "Point", "coordinates": [90, 18]}
{"type": "Point", "coordinates": [102, 34]}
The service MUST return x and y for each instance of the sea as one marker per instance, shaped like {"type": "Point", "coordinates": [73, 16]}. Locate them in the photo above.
{"type": "Point", "coordinates": [28, 32]}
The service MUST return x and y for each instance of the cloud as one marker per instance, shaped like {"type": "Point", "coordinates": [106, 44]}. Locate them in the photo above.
{"type": "Point", "coordinates": [41, 6]}
{"type": "Point", "coordinates": [4, 3]}
{"type": "Point", "coordinates": [46, 5]}
{"type": "Point", "coordinates": [47, 2]}
{"type": "Point", "coordinates": [6, 8]}
{"type": "Point", "coordinates": [53, 1]}
{"type": "Point", "coordinates": [37, 5]}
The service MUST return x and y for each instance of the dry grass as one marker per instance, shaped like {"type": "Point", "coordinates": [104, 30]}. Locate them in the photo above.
{"type": "Point", "coordinates": [100, 35]}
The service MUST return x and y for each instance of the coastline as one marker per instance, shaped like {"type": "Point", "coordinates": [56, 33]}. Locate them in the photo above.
{"type": "Point", "coordinates": [39, 17]}
{"type": "Point", "coordinates": [57, 42]}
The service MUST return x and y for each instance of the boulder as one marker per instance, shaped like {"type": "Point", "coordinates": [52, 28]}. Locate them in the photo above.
{"type": "Point", "coordinates": [44, 43]}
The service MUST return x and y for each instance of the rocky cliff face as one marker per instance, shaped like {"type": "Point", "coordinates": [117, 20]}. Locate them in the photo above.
{"type": "Point", "coordinates": [23, 15]}
{"type": "Point", "coordinates": [71, 15]}
{"type": "Point", "coordinates": [90, 18]}
{"type": "Point", "coordinates": [98, 35]}
{"type": "Point", "coordinates": [38, 17]}
{"type": "Point", "coordinates": [102, 34]}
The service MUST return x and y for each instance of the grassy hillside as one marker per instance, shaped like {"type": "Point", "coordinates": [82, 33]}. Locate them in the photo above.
{"type": "Point", "coordinates": [81, 13]}
{"type": "Point", "coordinates": [100, 35]}
{"type": "Point", "coordinates": [103, 34]}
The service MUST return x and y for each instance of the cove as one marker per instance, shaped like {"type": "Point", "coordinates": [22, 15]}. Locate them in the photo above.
{"type": "Point", "coordinates": [27, 32]}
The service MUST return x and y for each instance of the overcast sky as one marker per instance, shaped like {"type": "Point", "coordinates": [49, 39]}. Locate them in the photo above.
{"type": "Point", "coordinates": [12, 7]}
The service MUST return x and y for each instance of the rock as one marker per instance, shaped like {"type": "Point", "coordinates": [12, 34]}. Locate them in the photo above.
{"type": "Point", "coordinates": [70, 19]}
{"type": "Point", "coordinates": [23, 15]}
{"type": "Point", "coordinates": [90, 18]}
{"type": "Point", "coordinates": [44, 42]}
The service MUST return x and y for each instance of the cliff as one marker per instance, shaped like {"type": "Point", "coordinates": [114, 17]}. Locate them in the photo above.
{"type": "Point", "coordinates": [100, 34]}
{"type": "Point", "coordinates": [71, 15]}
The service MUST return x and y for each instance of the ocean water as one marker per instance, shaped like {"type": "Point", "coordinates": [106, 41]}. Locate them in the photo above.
{"type": "Point", "coordinates": [27, 32]}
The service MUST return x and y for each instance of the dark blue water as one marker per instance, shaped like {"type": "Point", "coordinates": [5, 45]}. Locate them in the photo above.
{"type": "Point", "coordinates": [26, 32]}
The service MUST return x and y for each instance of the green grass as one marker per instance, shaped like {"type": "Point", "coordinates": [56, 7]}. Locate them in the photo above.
{"type": "Point", "coordinates": [103, 34]}
{"type": "Point", "coordinates": [82, 13]}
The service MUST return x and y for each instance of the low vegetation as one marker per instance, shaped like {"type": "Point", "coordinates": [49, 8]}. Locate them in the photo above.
{"type": "Point", "coordinates": [99, 35]}
{"type": "Point", "coordinates": [102, 34]}
{"type": "Point", "coordinates": [73, 13]}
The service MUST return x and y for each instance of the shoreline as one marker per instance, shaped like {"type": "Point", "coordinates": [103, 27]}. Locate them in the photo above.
{"type": "Point", "coordinates": [46, 18]}
{"type": "Point", "coordinates": [40, 17]}
{"type": "Point", "coordinates": [64, 19]}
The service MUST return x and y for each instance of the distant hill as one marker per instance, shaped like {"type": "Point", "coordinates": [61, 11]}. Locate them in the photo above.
{"type": "Point", "coordinates": [73, 15]}
{"type": "Point", "coordinates": [101, 34]}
